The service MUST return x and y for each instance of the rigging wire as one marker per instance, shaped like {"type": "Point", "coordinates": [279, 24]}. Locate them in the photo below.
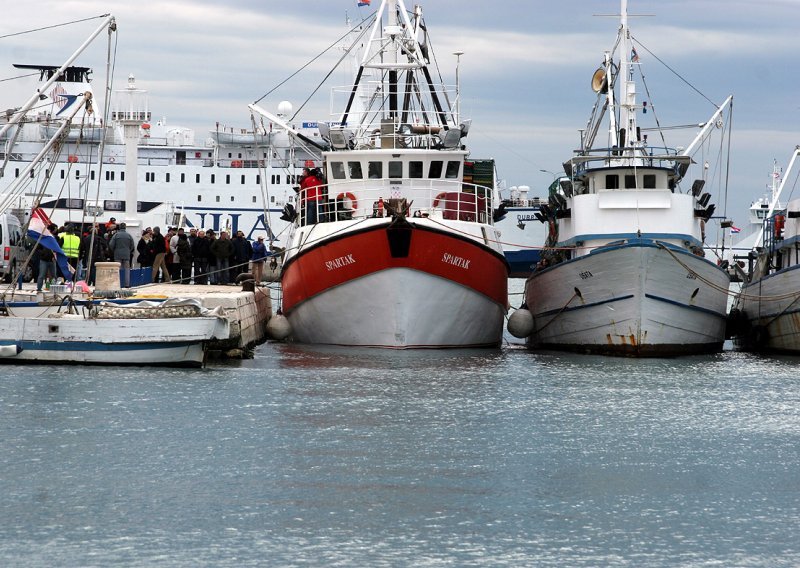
{"type": "Point", "coordinates": [678, 75]}
{"type": "Point", "coordinates": [334, 44]}
{"type": "Point", "coordinates": [55, 26]}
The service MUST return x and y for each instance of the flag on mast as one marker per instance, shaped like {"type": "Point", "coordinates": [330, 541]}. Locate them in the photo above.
{"type": "Point", "coordinates": [38, 230]}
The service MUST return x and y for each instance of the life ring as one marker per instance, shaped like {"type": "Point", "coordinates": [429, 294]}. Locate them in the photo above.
{"type": "Point", "coordinates": [349, 196]}
{"type": "Point", "coordinates": [111, 160]}
{"type": "Point", "coordinates": [438, 199]}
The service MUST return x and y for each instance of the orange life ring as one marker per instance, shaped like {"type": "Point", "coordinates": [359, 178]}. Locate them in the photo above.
{"type": "Point", "coordinates": [438, 199]}
{"type": "Point", "coordinates": [349, 196]}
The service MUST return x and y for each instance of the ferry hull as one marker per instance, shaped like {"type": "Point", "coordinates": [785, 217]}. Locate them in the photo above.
{"type": "Point", "coordinates": [360, 290]}
{"type": "Point", "coordinates": [631, 300]}
{"type": "Point", "coordinates": [772, 316]}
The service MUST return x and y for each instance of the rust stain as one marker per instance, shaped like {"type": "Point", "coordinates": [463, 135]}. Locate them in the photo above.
{"type": "Point", "coordinates": [633, 340]}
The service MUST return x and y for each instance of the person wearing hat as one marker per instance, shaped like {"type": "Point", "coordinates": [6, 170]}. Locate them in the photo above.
{"type": "Point", "coordinates": [257, 259]}
{"type": "Point", "coordinates": [122, 246]}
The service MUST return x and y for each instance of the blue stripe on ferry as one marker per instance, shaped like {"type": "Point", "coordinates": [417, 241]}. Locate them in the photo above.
{"type": "Point", "coordinates": [687, 306]}
{"type": "Point", "coordinates": [582, 306]}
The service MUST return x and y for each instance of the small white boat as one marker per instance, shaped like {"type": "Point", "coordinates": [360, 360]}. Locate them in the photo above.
{"type": "Point", "coordinates": [171, 333]}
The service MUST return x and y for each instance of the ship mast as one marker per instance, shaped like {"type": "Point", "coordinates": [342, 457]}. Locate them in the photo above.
{"type": "Point", "coordinates": [627, 129]}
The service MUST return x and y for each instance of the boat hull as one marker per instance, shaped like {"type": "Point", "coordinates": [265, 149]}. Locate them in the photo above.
{"type": "Point", "coordinates": [772, 315]}
{"type": "Point", "coordinates": [75, 339]}
{"type": "Point", "coordinates": [635, 300]}
{"type": "Point", "coordinates": [358, 289]}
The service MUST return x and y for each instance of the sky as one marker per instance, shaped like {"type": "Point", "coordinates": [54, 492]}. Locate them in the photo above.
{"type": "Point", "coordinates": [524, 75]}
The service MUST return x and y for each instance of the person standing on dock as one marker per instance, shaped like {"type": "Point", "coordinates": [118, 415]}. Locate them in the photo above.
{"type": "Point", "coordinates": [183, 250]}
{"type": "Point", "coordinates": [71, 244]}
{"type": "Point", "coordinates": [159, 254]}
{"type": "Point", "coordinates": [242, 251]}
{"type": "Point", "coordinates": [258, 258]}
{"type": "Point", "coordinates": [145, 249]}
{"type": "Point", "coordinates": [93, 249]}
{"type": "Point", "coordinates": [222, 251]}
{"type": "Point", "coordinates": [122, 247]}
{"type": "Point", "coordinates": [201, 249]}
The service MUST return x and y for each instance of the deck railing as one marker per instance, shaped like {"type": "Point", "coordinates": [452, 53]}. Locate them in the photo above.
{"type": "Point", "coordinates": [451, 200]}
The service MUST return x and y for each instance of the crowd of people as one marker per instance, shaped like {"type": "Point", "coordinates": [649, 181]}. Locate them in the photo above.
{"type": "Point", "coordinates": [194, 257]}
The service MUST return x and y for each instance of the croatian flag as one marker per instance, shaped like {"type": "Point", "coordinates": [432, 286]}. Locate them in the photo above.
{"type": "Point", "coordinates": [363, 3]}
{"type": "Point", "coordinates": [37, 227]}
{"type": "Point", "coordinates": [735, 230]}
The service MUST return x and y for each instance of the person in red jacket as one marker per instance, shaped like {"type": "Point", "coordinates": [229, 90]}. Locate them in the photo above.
{"type": "Point", "coordinates": [311, 196]}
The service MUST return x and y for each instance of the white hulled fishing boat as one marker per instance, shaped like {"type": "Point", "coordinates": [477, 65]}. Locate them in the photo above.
{"type": "Point", "coordinates": [625, 271]}
{"type": "Point", "coordinates": [405, 253]}
{"type": "Point", "coordinates": [766, 313]}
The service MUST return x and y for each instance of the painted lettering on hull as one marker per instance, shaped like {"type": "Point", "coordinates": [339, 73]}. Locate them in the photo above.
{"type": "Point", "coordinates": [455, 260]}
{"type": "Point", "coordinates": [340, 262]}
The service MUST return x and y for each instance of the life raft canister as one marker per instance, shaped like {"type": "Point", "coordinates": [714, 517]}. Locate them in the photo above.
{"type": "Point", "coordinates": [779, 221]}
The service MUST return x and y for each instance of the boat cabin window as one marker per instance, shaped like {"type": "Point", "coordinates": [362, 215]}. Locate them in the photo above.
{"type": "Point", "coordinates": [612, 181]}
{"type": "Point", "coordinates": [167, 177]}
{"type": "Point", "coordinates": [435, 171]}
{"type": "Point", "coordinates": [337, 170]}
{"type": "Point", "coordinates": [355, 170]}
{"type": "Point", "coordinates": [649, 181]}
{"type": "Point", "coordinates": [183, 178]}
{"type": "Point", "coordinates": [199, 198]}
{"type": "Point", "coordinates": [453, 168]}
{"type": "Point", "coordinates": [213, 178]}
{"type": "Point", "coordinates": [121, 176]}
{"type": "Point", "coordinates": [630, 182]}
{"type": "Point", "coordinates": [415, 169]}
{"type": "Point", "coordinates": [243, 179]}
{"type": "Point", "coordinates": [375, 170]}
{"type": "Point", "coordinates": [395, 170]}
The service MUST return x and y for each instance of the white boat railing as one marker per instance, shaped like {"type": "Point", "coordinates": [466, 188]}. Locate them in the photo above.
{"type": "Point", "coordinates": [449, 200]}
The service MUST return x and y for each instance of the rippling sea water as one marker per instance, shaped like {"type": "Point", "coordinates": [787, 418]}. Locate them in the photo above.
{"type": "Point", "coordinates": [309, 456]}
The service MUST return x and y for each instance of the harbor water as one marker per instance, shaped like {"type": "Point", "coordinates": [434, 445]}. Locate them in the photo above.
{"type": "Point", "coordinates": [310, 456]}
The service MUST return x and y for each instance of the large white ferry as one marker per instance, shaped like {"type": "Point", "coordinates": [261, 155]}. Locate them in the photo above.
{"type": "Point", "coordinates": [230, 178]}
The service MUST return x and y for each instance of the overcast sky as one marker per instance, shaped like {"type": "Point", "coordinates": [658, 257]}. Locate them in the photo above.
{"type": "Point", "coordinates": [525, 72]}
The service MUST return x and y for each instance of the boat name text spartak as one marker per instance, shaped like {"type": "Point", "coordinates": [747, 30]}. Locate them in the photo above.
{"type": "Point", "coordinates": [340, 262]}
{"type": "Point", "coordinates": [455, 260]}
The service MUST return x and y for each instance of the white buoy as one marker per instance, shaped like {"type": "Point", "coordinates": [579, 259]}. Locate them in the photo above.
{"type": "Point", "coordinates": [520, 323]}
{"type": "Point", "coordinates": [279, 327]}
